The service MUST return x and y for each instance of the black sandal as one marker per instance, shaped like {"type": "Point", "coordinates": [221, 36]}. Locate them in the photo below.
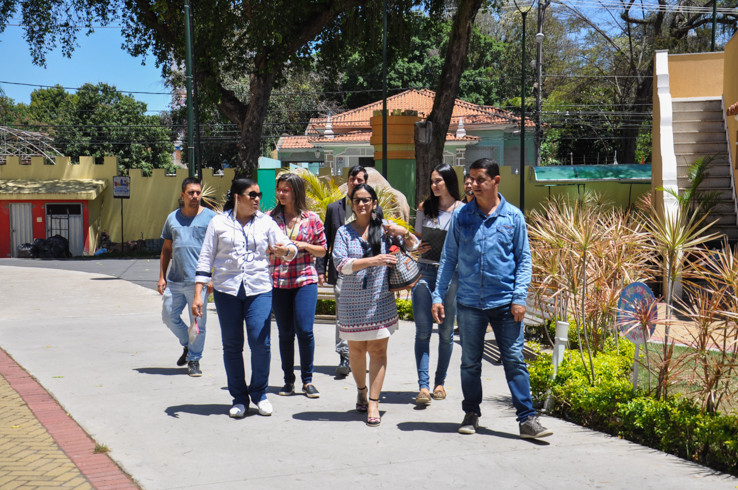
{"type": "Point", "coordinates": [373, 421]}
{"type": "Point", "coordinates": [361, 404]}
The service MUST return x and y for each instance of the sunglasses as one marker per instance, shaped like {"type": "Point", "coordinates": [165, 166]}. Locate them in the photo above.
{"type": "Point", "coordinates": [253, 195]}
{"type": "Point", "coordinates": [362, 200]}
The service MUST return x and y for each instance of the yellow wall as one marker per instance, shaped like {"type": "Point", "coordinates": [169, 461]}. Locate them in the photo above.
{"type": "Point", "coordinates": [696, 75]}
{"type": "Point", "coordinates": [730, 95]}
{"type": "Point", "coordinates": [152, 198]}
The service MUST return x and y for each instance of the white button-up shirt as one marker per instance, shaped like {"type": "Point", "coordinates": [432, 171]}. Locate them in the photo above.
{"type": "Point", "coordinates": [239, 254]}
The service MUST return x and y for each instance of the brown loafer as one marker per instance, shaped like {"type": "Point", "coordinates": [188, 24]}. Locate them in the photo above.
{"type": "Point", "coordinates": [423, 398]}
{"type": "Point", "coordinates": [439, 393]}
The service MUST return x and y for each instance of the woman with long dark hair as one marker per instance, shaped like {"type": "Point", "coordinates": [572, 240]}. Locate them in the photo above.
{"type": "Point", "coordinates": [236, 250]}
{"type": "Point", "coordinates": [432, 221]}
{"type": "Point", "coordinates": [295, 283]}
{"type": "Point", "coordinates": [367, 314]}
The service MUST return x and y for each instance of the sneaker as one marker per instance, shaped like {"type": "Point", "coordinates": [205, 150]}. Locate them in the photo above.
{"type": "Point", "coordinates": [265, 407]}
{"type": "Point", "coordinates": [193, 369]}
{"type": "Point", "coordinates": [343, 369]}
{"type": "Point", "coordinates": [183, 358]}
{"type": "Point", "coordinates": [311, 391]}
{"type": "Point", "coordinates": [532, 429]}
{"type": "Point", "coordinates": [470, 424]}
{"type": "Point", "coordinates": [237, 411]}
{"type": "Point", "coordinates": [287, 390]}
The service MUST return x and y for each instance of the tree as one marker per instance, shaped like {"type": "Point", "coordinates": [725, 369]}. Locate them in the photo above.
{"type": "Point", "coordinates": [415, 60]}
{"type": "Point", "coordinates": [430, 135]}
{"type": "Point", "coordinates": [252, 37]}
{"type": "Point", "coordinates": [626, 41]}
{"type": "Point", "coordinates": [98, 121]}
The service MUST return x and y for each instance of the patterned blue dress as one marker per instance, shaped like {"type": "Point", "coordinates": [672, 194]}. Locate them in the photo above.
{"type": "Point", "coordinates": [366, 309]}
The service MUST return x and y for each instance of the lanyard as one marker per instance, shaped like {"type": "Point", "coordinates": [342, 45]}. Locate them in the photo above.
{"type": "Point", "coordinates": [290, 232]}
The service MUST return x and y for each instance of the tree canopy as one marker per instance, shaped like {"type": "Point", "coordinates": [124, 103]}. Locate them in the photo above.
{"type": "Point", "coordinates": [97, 121]}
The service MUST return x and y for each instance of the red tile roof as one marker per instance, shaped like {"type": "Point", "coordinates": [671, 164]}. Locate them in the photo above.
{"type": "Point", "coordinates": [353, 126]}
{"type": "Point", "coordinates": [416, 100]}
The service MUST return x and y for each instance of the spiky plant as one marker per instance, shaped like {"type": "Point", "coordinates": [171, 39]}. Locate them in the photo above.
{"type": "Point", "coordinates": [676, 237]}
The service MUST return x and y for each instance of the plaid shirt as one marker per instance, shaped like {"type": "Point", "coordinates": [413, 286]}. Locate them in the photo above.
{"type": "Point", "coordinates": [301, 270]}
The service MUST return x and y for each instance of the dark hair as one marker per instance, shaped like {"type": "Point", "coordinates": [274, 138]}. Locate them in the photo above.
{"type": "Point", "coordinates": [467, 175]}
{"type": "Point", "coordinates": [375, 222]}
{"type": "Point", "coordinates": [356, 169]}
{"type": "Point", "coordinates": [189, 181]}
{"type": "Point", "coordinates": [489, 166]}
{"type": "Point", "coordinates": [237, 187]}
{"type": "Point", "coordinates": [297, 184]}
{"type": "Point", "coordinates": [430, 205]}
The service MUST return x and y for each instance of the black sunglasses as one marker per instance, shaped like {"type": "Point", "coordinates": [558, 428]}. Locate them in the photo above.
{"type": "Point", "coordinates": [253, 195]}
{"type": "Point", "coordinates": [362, 200]}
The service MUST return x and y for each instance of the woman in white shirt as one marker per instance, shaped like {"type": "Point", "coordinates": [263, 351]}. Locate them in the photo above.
{"type": "Point", "coordinates": [432, 222]}
{"type": "Point", "coordinates": [235, 249]}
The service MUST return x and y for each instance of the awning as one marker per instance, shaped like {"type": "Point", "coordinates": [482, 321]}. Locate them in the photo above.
{"type": "Point", "coordinates": [581, 174]}
{"type": "Point", "coordinates": [77, 190]}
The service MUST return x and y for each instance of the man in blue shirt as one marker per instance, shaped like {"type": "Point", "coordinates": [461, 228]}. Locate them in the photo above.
{"type": "Point", "coordinates": [183, 234]}
{"type": "Point", "coordinates": [488, 241]}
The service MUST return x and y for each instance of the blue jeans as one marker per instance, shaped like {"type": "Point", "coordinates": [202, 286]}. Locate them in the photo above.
{"type": "Point", "coordinates": [422, 302]}
{"type": "Point", "coordinates": [294, 310]}
{"type": "Point", "coordinates": [178, 296]}
{"type": "Point", "coordinates": [510, 339]}
{"type": "Point", "coordinates": [255, 311]}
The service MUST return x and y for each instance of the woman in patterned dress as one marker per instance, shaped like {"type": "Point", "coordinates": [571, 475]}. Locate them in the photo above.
{"type": "Point", "coordinates": [367, 314]}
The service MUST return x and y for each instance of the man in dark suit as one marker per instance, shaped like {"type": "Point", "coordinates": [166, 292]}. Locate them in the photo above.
{"type": "Point", "coordinates": [338, 214]}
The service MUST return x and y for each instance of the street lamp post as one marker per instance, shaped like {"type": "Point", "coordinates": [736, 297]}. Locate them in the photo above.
{"type": "Point", "coordinates": [524, 13]}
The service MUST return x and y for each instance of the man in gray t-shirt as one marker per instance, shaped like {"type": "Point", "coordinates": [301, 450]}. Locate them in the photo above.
{"type": "Point", "coordinates": [183, 234]}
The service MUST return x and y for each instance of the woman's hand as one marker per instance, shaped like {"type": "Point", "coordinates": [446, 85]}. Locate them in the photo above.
{"type": "Point", "coordinates": [197, 305]}
{"type": "Point", "coordinates": [281, 250]}
{"type": "Point", "coordinates": [394, 229]}
{"type": "Point", "coordinates": [385, 260]}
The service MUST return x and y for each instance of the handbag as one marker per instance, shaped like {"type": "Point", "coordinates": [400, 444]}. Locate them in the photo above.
{"type": "Point", "coordinates": [405, 273]}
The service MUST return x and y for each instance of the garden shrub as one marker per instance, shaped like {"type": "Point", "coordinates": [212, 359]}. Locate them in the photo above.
{"type": "Point", "coordinates": [676, 426]}
{"type": "Point", "coordinates": [405, 309]}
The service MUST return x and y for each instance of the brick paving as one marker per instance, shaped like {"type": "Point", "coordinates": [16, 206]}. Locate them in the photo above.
{"type": "Point", "coordinates": [41, 446]}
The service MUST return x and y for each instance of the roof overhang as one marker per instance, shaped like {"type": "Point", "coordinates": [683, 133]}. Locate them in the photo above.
{"type": "Point", "coordinates": [78, 190]}
{"type": "Point", "coordinates": [582, 174]}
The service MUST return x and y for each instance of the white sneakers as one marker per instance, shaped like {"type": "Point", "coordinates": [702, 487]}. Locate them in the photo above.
{"type": "Point", "coordinates": [238, 411]}
{"type": "Point", "coordinates": [265, 407]}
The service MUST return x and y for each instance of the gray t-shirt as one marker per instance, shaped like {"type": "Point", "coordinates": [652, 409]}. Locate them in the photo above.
{"type": "Point", "coordinates": [186, 234]}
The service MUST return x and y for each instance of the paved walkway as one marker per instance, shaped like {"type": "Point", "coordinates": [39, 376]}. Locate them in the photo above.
{"type": "Point", "coordinates": [97, 345]}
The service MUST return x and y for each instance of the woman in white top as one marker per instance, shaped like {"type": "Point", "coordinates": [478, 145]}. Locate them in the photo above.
{"type": "Point", "coordinates": [235, 249]}
{"type": "Point", "coordinates": [432, 219]}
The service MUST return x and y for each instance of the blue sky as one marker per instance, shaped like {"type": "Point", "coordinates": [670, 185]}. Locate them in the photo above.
{"type": "Point", "coordinates": [99, 58]}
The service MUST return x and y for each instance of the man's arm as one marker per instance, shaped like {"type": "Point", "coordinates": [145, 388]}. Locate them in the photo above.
{"type": "Point", "coordinates": [164, 259]}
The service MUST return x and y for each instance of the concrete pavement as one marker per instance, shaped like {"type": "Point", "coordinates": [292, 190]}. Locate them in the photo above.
{"type": "Point", "coordinates": [98, 346]}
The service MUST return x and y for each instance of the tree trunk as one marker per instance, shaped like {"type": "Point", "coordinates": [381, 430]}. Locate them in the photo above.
{"type": "Point", "coordinates": [429, 150]}
{"type": "Point", "coordinates": [252, 125]}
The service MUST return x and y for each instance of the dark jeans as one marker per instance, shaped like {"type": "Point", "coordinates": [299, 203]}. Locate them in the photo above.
{"type": "Point", "coordinates": [294, 310]}
{"type": "Point", "coordinates": [254, 311]}
{"type": "Point", "coordinates": [510, 340]}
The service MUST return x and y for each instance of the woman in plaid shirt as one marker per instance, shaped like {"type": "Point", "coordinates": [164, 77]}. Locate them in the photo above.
{"type": "Point", "coordinates": [295, 292]}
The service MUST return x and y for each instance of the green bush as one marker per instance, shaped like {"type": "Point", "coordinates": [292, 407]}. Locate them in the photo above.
{"type": "Point", "coordinates": [325, 307]}
{"type": "Point", "coordinates": [405, 309]}
{"type": "Point", "coordinates": [676, 426]}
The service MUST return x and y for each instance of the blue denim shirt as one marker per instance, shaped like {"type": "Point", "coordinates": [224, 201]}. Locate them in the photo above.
{"type": "Point", "coordinates": [492, 254]}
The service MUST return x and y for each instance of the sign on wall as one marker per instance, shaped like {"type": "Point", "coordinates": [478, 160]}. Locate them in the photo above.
{"type": "Point", "coordinates": [121, 187]}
